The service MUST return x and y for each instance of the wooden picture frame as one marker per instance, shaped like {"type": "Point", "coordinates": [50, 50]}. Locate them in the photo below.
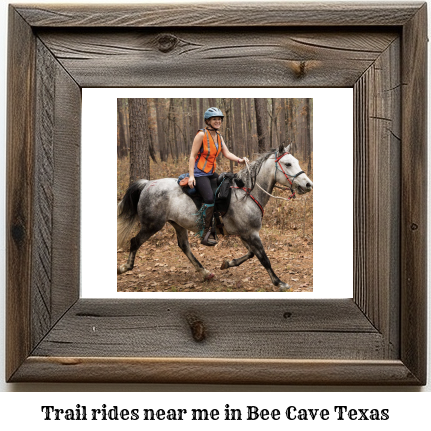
{"type": "Point", "coordinates": [378, 337]}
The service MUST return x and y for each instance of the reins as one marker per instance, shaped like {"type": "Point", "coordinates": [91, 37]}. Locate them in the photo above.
{"type": "Point", "coordinates": [247, 190]}
{"type": "Point", "coordinates": [278, 166]}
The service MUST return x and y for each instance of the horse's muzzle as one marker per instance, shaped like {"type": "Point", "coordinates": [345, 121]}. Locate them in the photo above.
{"type": "Point", "coordinates": [302, 190]}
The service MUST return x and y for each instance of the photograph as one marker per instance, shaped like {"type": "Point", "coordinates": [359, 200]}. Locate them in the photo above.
{"type": "Point", "coordinates": [215, 195]}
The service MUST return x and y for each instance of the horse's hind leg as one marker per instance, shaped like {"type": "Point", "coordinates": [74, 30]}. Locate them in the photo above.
{"type": "Point", "coordinates": [254, 245]}
{"type": "Point", "coordinates": [135, 243]}
{"type": "Point", "coordinates": [183, 243]}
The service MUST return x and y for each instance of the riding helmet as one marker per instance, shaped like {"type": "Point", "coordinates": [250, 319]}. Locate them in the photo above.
{"type": "Point", "coordinates": [213, 112]}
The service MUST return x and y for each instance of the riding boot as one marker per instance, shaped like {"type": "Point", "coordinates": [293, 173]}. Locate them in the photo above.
{"type": "Point", "coordinates": [208, 231]}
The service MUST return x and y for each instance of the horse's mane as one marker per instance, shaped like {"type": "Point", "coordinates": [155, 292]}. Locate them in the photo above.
{"type": "Point", "coordinates": [248, 175]}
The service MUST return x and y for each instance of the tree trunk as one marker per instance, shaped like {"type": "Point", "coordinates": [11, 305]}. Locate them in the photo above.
{"type": "Point", "coordinates": [139, 140]}
{"type": "Point", "coordinates": [262, 124]}
{"type": "Point", "coordinates": [195, 119]}
{"type": "Point", "coordinates": [228, 128]}
{"type": "Point", "coordinates": [282, 121]}
{"type": "Point", "coordinates": [171, 129]}
{"type": "Point", "coordinates": [152, 129]}
{"type": "Point", "coordinates": [122, 141]}
{"type": "Point", "coordinates": [290, 133]}
{"type": "Point", "coordinates": [308, 132]}
{"type": "Point", "coordinates": [239, 135]}
{"type": "Point", "coordinates": [247, 129]}
{"type": "Point", "coordinates": [161, 135]}
{"type": "Point", "coordinates": [201, 121]}
{"type": "Point", "coordinates": [274, 132]}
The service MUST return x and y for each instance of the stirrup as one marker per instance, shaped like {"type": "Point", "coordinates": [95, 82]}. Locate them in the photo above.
{"type": "Point", "coordinates": [207, 241]}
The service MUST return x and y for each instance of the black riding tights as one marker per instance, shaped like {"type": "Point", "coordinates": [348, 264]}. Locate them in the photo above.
{"type": "Point", "coordinates": [203, 185]}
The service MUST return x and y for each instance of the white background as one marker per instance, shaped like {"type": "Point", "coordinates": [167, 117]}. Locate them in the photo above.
{"type": "Point", "coordinates": [332, 194]}
{"type": "Point", "coordinates": [407, 407]}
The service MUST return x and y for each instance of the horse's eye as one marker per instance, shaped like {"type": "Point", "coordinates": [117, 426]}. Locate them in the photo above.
{"type": "Point", "coordinates": [289, 165]}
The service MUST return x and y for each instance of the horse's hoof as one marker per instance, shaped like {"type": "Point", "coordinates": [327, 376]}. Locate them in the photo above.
{"type": "Point", "coordinates": [122, 269]}
{"type": "Point", "coordinates": [225, 265]}
{"type": "Point", "coordinates": [209, 276]}
{"type": "Point", "coordinates": [284, 287]}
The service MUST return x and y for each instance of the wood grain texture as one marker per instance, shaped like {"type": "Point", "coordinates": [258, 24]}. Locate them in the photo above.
{"type": "Point", "coordinates": [377, 182]}
{"type": "Point", "coordinates": [378, 338]}
{"type": "Point", "coordinates": [20, 198]}
{"type": "Point", "coordinates": [269, 329]}
{"type": "Point", "coordinates": [43, 194]}
{"type": "Point", "coordinates": [216, 14]}
{"type": "Point", "coordinates": [262, 57]}
{"type": "Point", "coordinates": [55, 279]}
{"type": "Point", "coordinates": [414, 195]}
{"type": "Point", "coordinates": [66, 188]}
{"type": "Point", "coordinates": [215, 371]}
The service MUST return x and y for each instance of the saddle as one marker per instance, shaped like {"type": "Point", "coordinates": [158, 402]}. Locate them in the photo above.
{"type": "Point", "coordinates": [222, 190]}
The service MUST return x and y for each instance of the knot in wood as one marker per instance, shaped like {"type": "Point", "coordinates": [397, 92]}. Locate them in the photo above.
{"type": "Point", "coordinates": [167, 42]}
{"type": "Point", "coordinates": [414, 226]}
{"type": "Point", "coordinates": [197, 327]}
{"type": "Point", "coordinates": [18, 233]}
{"type": "Point", "coordinates": [300, 69]}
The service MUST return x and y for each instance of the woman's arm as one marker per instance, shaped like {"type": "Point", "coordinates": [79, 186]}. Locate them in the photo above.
{"type": "Point", "coordinates": [197, 143]}
{"type": "Point", "coordinates": [226, 153]}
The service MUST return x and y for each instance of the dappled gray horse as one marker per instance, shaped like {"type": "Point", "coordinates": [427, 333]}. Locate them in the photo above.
{"type": "Point", "coordinates": [153, 203]}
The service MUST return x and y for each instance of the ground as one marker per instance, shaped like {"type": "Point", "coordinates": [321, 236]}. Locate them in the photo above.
{"type": "Point", "coordinates": [287, 236]}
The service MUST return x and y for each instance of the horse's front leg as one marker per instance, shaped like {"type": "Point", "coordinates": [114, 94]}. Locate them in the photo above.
{"type": "Point", "coordinates": [236, 262]}
{"type": "Point", "coordinates": [254, 245]}
{"type": "Point", "coordinates": [183, 243]}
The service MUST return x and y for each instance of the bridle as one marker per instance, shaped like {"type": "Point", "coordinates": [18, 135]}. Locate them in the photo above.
{"type": "Point", "coordinates": [279, 167]}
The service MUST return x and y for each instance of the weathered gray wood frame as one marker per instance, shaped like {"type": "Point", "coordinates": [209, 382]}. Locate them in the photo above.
{"type": "Point", "coordinates": [379, 50]}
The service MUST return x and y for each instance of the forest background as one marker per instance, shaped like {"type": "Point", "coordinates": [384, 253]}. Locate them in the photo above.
{"type": "Point", "coordinates": [154, 138]}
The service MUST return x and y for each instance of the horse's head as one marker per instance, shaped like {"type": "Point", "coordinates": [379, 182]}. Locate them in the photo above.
{"type": "Point", "coordinates": [289, 173]}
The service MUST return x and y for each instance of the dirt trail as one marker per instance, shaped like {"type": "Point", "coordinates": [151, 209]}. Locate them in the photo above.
{"type": "Point", "coordinates": [162, 267]}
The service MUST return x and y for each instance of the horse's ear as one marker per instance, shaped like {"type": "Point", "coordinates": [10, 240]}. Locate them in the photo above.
{"type": "Point", "coordinates": [287, 149]}
{"type": "Point", "coordinates": [281, 148]}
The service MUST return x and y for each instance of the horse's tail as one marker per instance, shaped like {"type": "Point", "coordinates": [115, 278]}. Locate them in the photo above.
{"type": "Point", "coordinates": [127, 212]}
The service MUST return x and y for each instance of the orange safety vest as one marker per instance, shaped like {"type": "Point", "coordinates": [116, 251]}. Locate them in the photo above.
{"type": "Point", "coordinates": [206, 158]}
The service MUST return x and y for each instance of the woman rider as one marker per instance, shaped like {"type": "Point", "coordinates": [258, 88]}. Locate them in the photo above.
{"type": "Point", "coordinates": [207, 145]}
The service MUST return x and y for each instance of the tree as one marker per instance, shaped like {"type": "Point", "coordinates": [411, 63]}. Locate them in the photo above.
{"type": "Point", "coordinates": [195, 118]}
{"type": "Point", "coordinates": [273, 128]}
{"type": "Point", "coordinates": [139, 140]}
{"type": "Point", "coordinates": [282, 121]}
{"type": "Point", "coordinates": [290, 132]}
{"type": "Point", "coordinates": [122, 131]}
{"type": "Point", "coordinates": [308, 131]}
{"type": "Point", "coordinates": [262, 124]}
{"type": "Point", "coordinates": [161, 134]}
{"type": "Point", "coordinates": [152, 128]}
{"type": "Point", "coordinates": [238, 132]}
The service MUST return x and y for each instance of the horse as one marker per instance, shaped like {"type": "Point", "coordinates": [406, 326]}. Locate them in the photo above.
{"type": "Point", "coordinates": [154, 203]}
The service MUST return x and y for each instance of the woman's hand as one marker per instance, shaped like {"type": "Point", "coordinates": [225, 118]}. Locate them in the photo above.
{"type": "Point", "coordinates": [243, 160]}
{"type": "Point", "coordinates": [192, 182]}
